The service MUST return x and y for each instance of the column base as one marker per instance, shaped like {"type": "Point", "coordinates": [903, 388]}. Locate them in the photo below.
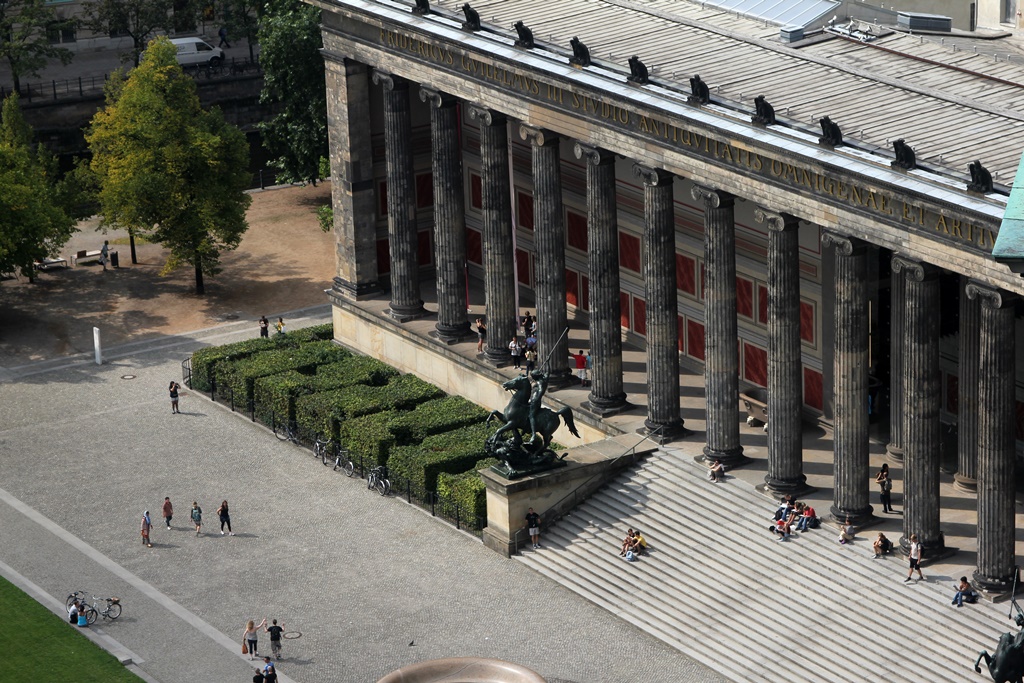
{"type": "Point", "coordinates": [559, 379]}
{"type": "Point", "coordinates": [499, 358]}
{"type": "Point", "coordinates": [405, 313]}
{"type": "Point", "coordinates": [780, 487]}
{"type": "Point", "coordinates": [965, 483]}
{"type": "Point", "coordinates": [995, 588]}
{"type": "Point", "coordinates": [355, 291]}
{"type": "Point", "coordinates": [452, 334]}
{"type": "Point", "coordinates": [730, 458]}
{"type": "Point", "coordinates": [606, 406]}
{"type": "Point", "coordinates": [858, 517]}
{"type": "Point", "coordinates": [662, 433]}
{"type": "Point", "coordinates": [893, 453]}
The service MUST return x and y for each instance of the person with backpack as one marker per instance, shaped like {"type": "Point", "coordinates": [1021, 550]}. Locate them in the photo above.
{"type": "Point", "coordinates": [197, 516]}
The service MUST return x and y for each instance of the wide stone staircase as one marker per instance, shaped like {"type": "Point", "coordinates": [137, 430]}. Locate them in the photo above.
{"type": "Point", "coordinates": [719, 587]}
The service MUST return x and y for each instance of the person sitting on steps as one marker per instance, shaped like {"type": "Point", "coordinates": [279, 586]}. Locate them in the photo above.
{"type": "Point", "coordinates": [807, 520]}
{"type": "Point", "coordinates": [639, 546]}
{"type": "Point", "coordinates": [627, 543]}
{"type": "Point", "coordinates": [882, 545]}
{"type": "Point", "coordinates": [716, 471]}
{"type": "Point", "coordinates": [846, 532]}
{"type": "Point", "coordinates": [964, 592]}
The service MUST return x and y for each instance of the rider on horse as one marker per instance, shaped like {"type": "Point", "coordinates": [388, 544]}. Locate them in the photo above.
{"type": "Point", "coordinates": [536, 395]}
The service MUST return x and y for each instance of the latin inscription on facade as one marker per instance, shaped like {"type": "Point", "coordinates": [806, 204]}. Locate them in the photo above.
{"type": "Point", "coordinates": [880, 203]}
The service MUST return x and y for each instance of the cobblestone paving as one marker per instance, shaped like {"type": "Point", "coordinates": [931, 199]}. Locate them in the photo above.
{"type": "Point", "coordinates": [372, 583]}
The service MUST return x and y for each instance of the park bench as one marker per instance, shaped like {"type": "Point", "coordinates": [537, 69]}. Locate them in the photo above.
{"type": "Point", "coordinates": [92, 255]}
{"type": "Point", "coordinates": [47, 263]}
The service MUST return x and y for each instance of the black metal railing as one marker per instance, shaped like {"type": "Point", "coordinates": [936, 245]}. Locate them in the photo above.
{"type": "Point", "coordinates": [82, 86]}
{"type": "Point", "coordinates": [186, 372]}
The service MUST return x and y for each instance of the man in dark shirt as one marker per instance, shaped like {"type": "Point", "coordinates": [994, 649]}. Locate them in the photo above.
{"type": "Point", "coordinates": [533, 524]}
{"type": "Point", "coordinates": [275, 638]}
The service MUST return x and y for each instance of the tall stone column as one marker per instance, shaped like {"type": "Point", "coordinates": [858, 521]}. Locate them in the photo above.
{"type": "Point", "coordinates": [997, 459]}
{"type": "Point", "coordinates": [663, 422]}
{"type": "Point", "coordinates": [850, 377]}
{"type": "Point", "coordinates": [966, 477]}
{"type": "Point", "coordinates": [921, 399]}
{"type": "Point", "coordinates": [549, 236]}
{"type": "Point", "coordinates": [785, 366]}
{"type": "Point", "coordinates": [721, 348]}
{"type": "Point", "coordinates": [352, 192]}
{"type": "Point", "coordinates": [449, 216]}
{"type": "Point", "coordinates": [406, 303]}
{"type": "Point", "coordinates": [606, 395]}
{"type": "Point", "coordinates": [897, 308]}
{"type": "Point", "coordinates": [499, 260]}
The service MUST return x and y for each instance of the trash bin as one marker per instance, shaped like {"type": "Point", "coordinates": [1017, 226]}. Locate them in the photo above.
{"type": "Point", "coordinates": [113, 259]}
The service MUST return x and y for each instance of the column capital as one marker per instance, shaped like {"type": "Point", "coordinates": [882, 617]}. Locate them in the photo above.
{"type": "Point", "coordinates": [989, 297]}
{"type": "Point", "coordinates": [538, 137]}
{"type": "Point", "coordinates": [915, 271]}
{"type": "Point", "coordinates": [485, 116]}
{"type": "Point", "coordinates": [594, 156]}
{"type": "Point", "coordinates": [389, 81]}
{"type": "Point", "coordinates": [711, 197]}
{"type": "Point", "coordinates": [775, 220]}
{"type": "Point", "coordinates": [844, 244]}
{"type": "Point", "coordinates": [652, 177]}
{"type": "Point", "coordinates": [436, 99]}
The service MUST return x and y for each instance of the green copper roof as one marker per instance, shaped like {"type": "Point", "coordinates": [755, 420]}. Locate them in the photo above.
{"type": "Point", "coordinates": [1009, 247]}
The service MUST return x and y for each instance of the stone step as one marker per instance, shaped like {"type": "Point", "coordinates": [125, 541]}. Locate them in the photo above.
{"type": "Point", "coordinates": [714, 585]}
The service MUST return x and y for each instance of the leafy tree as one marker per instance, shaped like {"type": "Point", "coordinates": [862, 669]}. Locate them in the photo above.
{"type": "Point", "coordinates": [169, 169]}
{"type": "Point", "coordinates": [33, 222]}
{"type": "Point", "coordinates": [23, 40]}
{"type": "Point", "coordinates": [242, 17]}
{"type": "Point", "coordinates": [293, 78]}
{"type": "Point", "coordinates": [137, 19]}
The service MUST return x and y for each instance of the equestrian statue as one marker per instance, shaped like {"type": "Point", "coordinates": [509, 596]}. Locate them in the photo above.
{"type": "Point", "coordinates": [525, 416]}
{"type": "Point", "coordinates": [1006, 665]}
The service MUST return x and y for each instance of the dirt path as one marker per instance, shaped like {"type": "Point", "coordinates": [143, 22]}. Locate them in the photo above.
{"type": "Point", "coordinates": [283, 263]}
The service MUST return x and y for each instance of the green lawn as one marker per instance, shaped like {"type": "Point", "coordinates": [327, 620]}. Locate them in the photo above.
{"type": "Point", "coordinates": [44, 648]}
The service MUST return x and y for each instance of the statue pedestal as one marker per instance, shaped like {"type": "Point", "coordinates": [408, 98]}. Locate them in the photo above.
{"type": "Point", "coordinates": [553, 493]}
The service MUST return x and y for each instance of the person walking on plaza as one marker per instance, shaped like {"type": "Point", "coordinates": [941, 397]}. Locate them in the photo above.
{"type": "Point", "coordinates": [225, 518]}
{"type": "Point", "coordinates": [174, 388]}
{"type": "Point", "coordinates": [251, 637]}
{"type": "Point", "coordinates": [581, 367]}
{"type": "Point", "coordinates": [105, 254]}
{"type": "Point", "coordinates": [915, 558]}
{"type": "Point", "coordinates": [279, 325]}
{"type": "Point", "coordinates": [264, 326]}
{"type": "Point", "coordinates": [885, 488]}
{"type": "Point", "coordinates": [197, 516]}
{"type": "Point", "coordinates": [223, 34]}
{"type": "Point", "coordinates": [533, 524]}
{"type": "Point", "coordinates": [168, 511]}
{"type": "Point", "coordinates": [147, 526]}
{"type": "Point", "coordinates": [275, 632]}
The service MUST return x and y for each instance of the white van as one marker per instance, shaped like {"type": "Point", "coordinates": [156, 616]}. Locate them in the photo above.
{"type": "Point", "coordinates": [197, 52]}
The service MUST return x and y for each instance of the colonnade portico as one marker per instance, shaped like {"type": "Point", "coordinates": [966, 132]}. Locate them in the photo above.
{"type": "Point", "coordinates": [718, 340]}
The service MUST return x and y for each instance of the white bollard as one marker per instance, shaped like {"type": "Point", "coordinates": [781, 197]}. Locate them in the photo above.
{"type": "Point", "coordinates": [96, 345]}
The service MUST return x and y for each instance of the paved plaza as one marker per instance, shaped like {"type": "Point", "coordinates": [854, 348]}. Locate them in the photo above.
{"type": "Point", "coordinates": [373, 584]}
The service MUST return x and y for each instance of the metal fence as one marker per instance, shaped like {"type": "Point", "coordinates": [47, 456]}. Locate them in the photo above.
{"type": "Point", "coordinates": [439, 506]}
{"type": "Point", "coordinates": [93, 85]}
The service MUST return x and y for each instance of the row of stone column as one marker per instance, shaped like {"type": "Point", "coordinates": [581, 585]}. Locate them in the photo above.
{"type": "Point", "coordinates": [987, 334]}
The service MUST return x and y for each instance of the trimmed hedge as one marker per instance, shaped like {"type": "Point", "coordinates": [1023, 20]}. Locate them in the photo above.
{"type": "Point", "coordinates": [314, 333]}
{"type": "Point", "coordinates": [435, 417]}
{"type": "Point", "coordinates": [352, 371]}
{"type": "Point", "coordinates": [317, 414]}
{"type": "Point", "coordinates": [467, 490]}
{"type": "Point", "coordinates": [453, 452]}
{"type": "Point", "coordinates": [368, 438]}
{"type": "Point", "coordinates": [239, 375]}
{"type": "Point", "coordinates": [274, 396]}
{"type": "Point", "coordinates": [401, 393]}
{"type": "Point", "coordinates": [204, 360]}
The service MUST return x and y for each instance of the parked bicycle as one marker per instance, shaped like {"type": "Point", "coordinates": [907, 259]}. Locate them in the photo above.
{"type": "Point", "coordinates": [109, 609]}
{"type": "Point", "coordinates": [79, 596]}
{"type": "Point", "coordinates": [337, 455]}
{"type": "Point", "coordinates": [287, 432]}
{"type": "Point", "coordinates": [377, 479]}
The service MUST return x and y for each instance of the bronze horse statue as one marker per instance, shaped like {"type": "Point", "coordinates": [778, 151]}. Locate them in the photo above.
{"type": "Point", "coordinates": [1006, 665]}
{"type": "Point", "coordinates": [517, 415]}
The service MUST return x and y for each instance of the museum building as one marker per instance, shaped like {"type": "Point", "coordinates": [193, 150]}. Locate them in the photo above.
{"type": "Point", "coordinates": [813, 214]}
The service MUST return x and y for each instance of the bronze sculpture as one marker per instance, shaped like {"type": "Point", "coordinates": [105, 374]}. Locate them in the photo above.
{"type": "Point", "coordinates": [524, 415]}
{"type": "Point", "coordinates": [638, 71]}
{"type": "Point", "coordinates": [1007, 664]}
{"type": "Point", "coordinates": [699, 92]}
{"type": "Point", "coordinates": [421, 8]}
{"type": "Point", "coordinates": [830, 133]}
{"type": "Point", "coordinates": [580, 53]}
{"type": "Point", "coordinates": [525, 39]}
{"type": "Point", "coordinates": [472, 22]}
{"type": "Point", "coordinates": [764, 113]}
{"type": "Point", "coordinates": [905, 157]}
{"type": "Point", "coordinates": [981, 179]}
